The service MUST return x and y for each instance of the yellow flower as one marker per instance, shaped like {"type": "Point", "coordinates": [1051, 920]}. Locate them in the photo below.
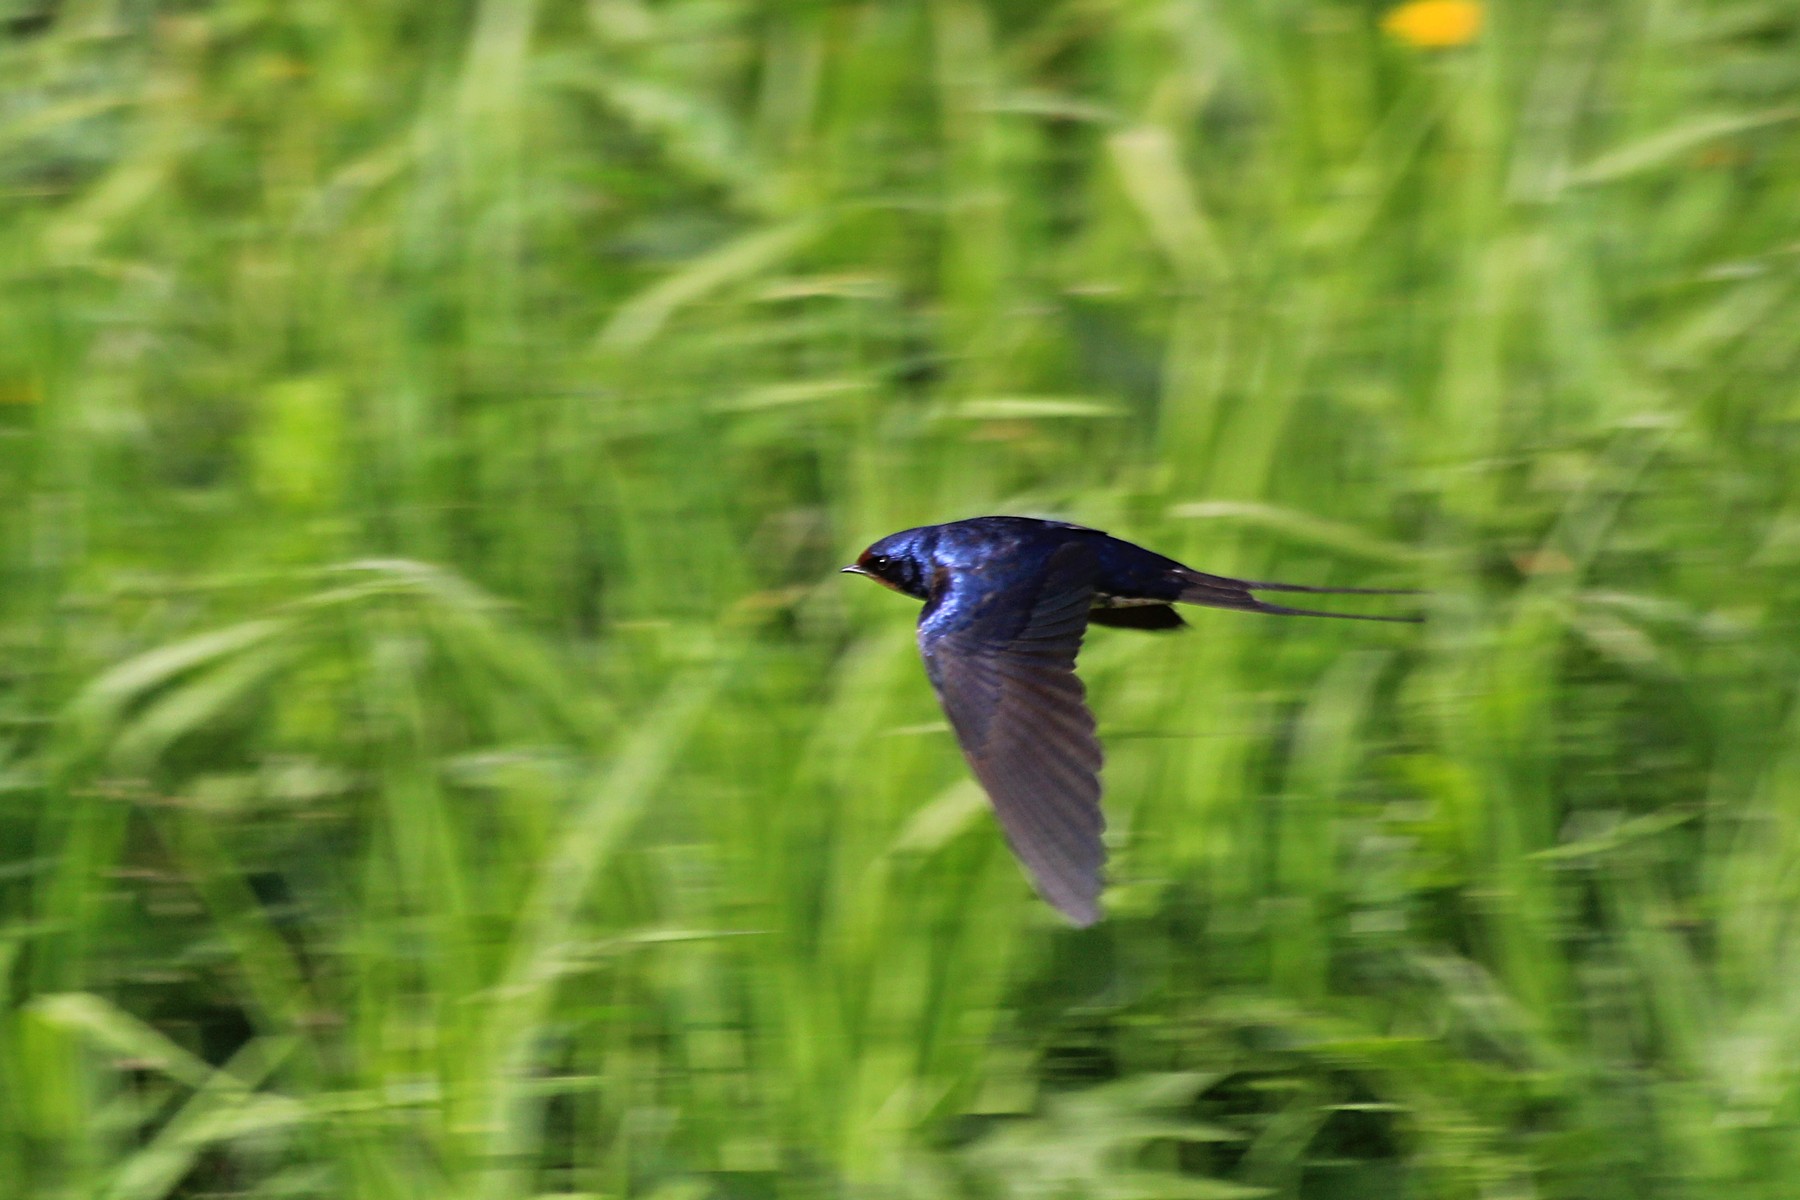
{"type": "Point", "coordinates": [1435, 24]}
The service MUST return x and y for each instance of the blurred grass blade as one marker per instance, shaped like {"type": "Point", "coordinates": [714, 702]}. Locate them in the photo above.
{"type": "Point", "coordinates": [193, 703]}
{"type": "Point", "coordinates": [225, 1107]}
{"type": "Point", "coordinates": [1303, 528]}
{"type": "Point", "coordinates": [642, 317]}
{"type": "Point", "coordinates": [541, 944]}
{"type": "Point", "coordinates": [103, 701]}
{"type": "Point", "coordinates": [1664, 148]}
{"type": "Point", "coordinates": [1149, 166]}
{"type": "Point", "coordinates": [111, 1029]}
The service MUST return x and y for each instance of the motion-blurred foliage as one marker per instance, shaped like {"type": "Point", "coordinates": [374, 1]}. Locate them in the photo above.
{"type": "Point", "coordinates": [436, 760]}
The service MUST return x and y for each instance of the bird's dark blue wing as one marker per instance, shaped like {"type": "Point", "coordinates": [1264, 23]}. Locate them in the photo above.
{"type": "Point", "coordinates": [1003, 663]}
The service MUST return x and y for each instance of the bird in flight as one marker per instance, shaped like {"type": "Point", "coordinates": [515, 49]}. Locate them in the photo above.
{"type": "Point", "coordinates": [1007, 601]}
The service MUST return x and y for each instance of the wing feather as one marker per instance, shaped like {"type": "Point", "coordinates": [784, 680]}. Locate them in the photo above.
{"type": "Point", "coordinates": [1020, 714]}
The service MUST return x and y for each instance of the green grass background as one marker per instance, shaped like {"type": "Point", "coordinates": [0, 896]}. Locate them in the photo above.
{"type": "Point", "coordinates": [437, 760]}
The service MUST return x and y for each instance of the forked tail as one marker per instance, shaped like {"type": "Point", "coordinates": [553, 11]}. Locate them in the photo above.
{"type": "Point", "coordinates": [1220, 591]}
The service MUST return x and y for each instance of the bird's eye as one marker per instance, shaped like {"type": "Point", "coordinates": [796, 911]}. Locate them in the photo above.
{"type": "Point", "coordinates": [879, 562]}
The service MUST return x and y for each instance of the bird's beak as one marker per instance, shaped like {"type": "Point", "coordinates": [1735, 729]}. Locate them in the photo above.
{"type": "Point", "coordinates": [852, 570]}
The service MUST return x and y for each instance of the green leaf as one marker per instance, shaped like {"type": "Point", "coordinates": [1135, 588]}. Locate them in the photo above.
{"type": "Point", "coordinates": [1661, 149]}
{"type": "Point", "coordinates": [116, 1031]}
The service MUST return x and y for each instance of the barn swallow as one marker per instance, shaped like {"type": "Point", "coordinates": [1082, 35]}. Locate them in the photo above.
{"type": "Point", "coordinates": [1007, 601]}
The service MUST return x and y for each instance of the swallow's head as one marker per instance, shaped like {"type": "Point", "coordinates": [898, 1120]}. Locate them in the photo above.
{"type": "Point", "coordinates": [901, 561]}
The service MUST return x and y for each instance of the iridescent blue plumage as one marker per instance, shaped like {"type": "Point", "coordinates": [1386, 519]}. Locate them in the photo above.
{"type": "Point", "coordinates": [1007, 602]}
